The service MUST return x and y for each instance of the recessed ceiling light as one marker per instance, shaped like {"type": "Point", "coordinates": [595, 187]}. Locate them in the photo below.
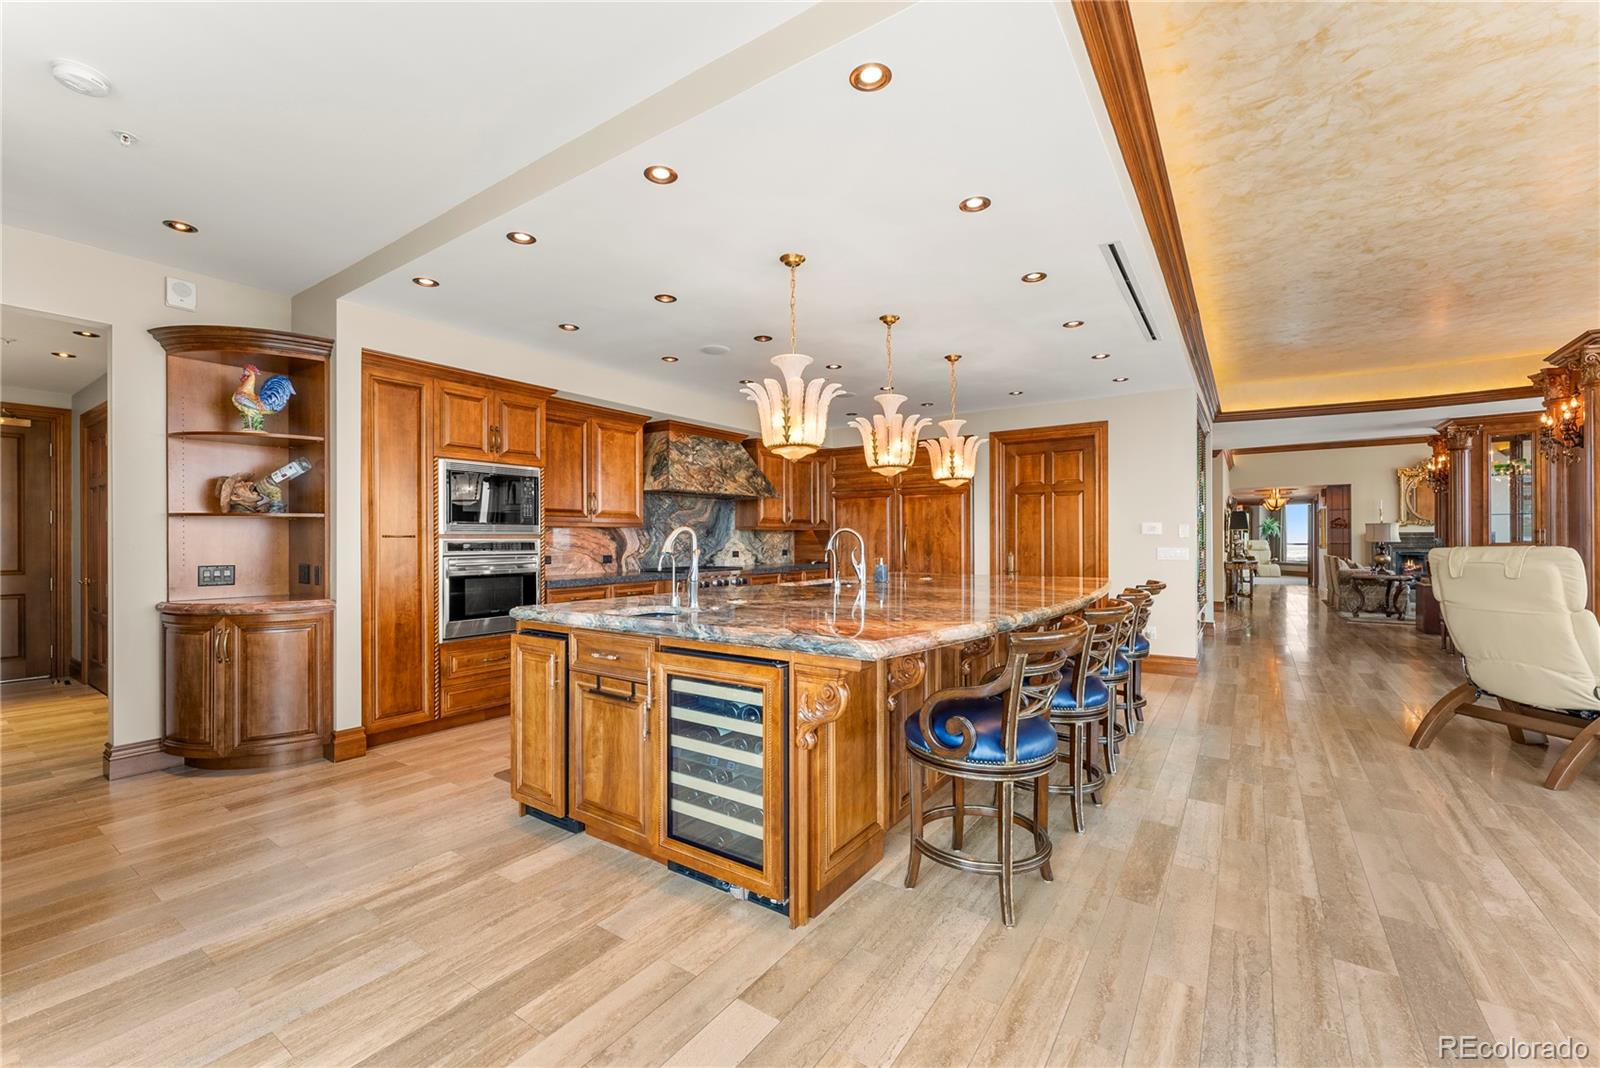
{"type": "Point", "coordinates": [1016, 393]}
{"type": "Point", "coordinates": [1101, 356]}
{"type": "Point", "coordinates": [833, 366]}
{"type": "Point", "coordinates": [870, 77]}
{"type": "Point", "coordinates": [180, 226]}
{"type": "Point", "coordinates": [927, 404]}
{"type": "Point", "coordinates": [65, 355]}
{"type": "Point", "coordinates": [79, 77]}
{"type": "Point", "coordinates": [1122, 379]}
{"type": "Point", "coordinates": [86, 333]}
{"type": "Point", "coordinates": [519, 237]}
{"type": "Point", "coordinates": [763, 337]}
{"type": "Point", "coordinates": [747, 381]}
{"type": "Point", "coordinates": [669, 359]}
{"type": "Point", "coordinates": [972, 204]}
{"type": "Point", "coordinates": [425, 282]}
{"type": "Point", "coordinates": [660, 174]}
{"type": "Point", "coordinates": [665, 298]}
{"type": "Point", "coordinates": [851, 415]}
{"type": "Point", "coordinates": [1034, 276]}
{"type": "Point", "coordinates": [1073, 324]}
{"type": "Point", "coordinates": [568, 327]}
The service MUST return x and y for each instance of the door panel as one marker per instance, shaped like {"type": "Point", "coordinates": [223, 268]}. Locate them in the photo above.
{"type": "Point", "coordinates": [27, 552]}
{"type": "Point", "coordinates": [616, 477]}
{"type": "Point", "coordinates": [190, 652]}
{"type": "Point", "coordinates": [95, 497]}
{"type": "Point", "coordinates": [1050, 493]}
{"type": "Point", "coordinates": [274, 675]}
{"type": "Point", "coordinates": [566, 462]}
{"type": "Point", "coordinates": [872, 516]}
{"type": "Point", "coordinates": [521, 421]}
{"type": "Point", "coordinates": [935, 532]}
{"type": "Point", "coordinates": [539, 723]}
{"type": "Point", "coordinates": [462, 427]}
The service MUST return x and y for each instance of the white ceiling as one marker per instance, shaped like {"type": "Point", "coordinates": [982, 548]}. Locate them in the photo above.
{"type": "Point", "coordinates": [29, 339]}
{"type": "Point", "coordinates": [985, 99]}
{"type": "Point", "coordinates": [1359, 426]}
{"type": "Point", "coordinates": [300, 137]}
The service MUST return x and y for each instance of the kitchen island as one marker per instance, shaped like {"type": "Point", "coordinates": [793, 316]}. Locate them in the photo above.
{"type": "Point", "coordinates": [755, 742]}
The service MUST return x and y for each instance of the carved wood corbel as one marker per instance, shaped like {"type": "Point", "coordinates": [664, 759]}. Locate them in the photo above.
{"type": "Point", "coordinates": [904, 673]}
{"type": "Point", "coordinates": [817, 706]}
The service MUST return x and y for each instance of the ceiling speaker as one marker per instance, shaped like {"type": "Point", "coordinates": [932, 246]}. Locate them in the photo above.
{"type": "Point", "coordinates": [181, 294]}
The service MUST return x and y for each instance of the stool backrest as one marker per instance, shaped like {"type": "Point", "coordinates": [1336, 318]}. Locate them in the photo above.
{"type": "Point", "coordinates": [1107, 631]}
{"type": "Point", "coordinates": [1028, 682]}
{"type": "Point", "coordinates": [1141, 601]}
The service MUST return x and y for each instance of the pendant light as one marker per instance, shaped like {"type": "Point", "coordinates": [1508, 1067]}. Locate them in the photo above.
{"type": "Point", "coordinates": [1275, 500]}
{"type": "Point", "coordinates": [954, 456]}
{"type": "Point", "coordinates": [890, 439]}
{"type": "Point", "coordinates": [794, 413]}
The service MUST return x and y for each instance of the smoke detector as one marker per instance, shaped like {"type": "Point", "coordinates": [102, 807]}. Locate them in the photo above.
{"type": "Point", "coordinates": [80, 77]}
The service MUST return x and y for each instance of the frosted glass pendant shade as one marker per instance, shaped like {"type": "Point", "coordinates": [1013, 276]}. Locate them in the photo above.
{"type": "Point", "coordinates": [954, 456]}
{"type": "Point", "coordinates": [890, 438]}
{"type": "Point", "coordinates": [793, 412]}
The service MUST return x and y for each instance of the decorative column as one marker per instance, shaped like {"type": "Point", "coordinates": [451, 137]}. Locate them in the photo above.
{"type": "Point", "coordinates": [1556, 384]}
{"type": "Point", "coordinates": [1459, 440]}
{"type": "Point", "coordinates": [1580, 360]}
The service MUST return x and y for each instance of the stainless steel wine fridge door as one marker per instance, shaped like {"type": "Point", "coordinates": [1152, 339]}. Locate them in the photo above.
{"type": "Point", "coordinates": [721, 725]}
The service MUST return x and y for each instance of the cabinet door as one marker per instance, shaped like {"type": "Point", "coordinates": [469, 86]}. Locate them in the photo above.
{"type": "Point", "coordinates": [519, 427]}
{"type": "Point", "coordinates": [609, 776]}
{"type": "Point", "coordinates": [566, 465]}
{"type": "Point", "coordinates": [719, 799]}
{"type": "Point", "coordinates": [539, 723]}
{"type": "Point", "coordinates": [872, 516]}
{"type": "Point", "coordinates": [190, 655]}
{"type": "Point", "coordinates": [275, 681]}
{"type": "Point", "coordinates": [935, 531]}
{"type": "Point", "coordinates": [767, 513]}
{"type": "Point", "coordinates": [464, 415]}
{"type": "Point", "coordinates": [616, 474]}
{"type": "Point", "coordinates": [397, 602]}
{"type": "Point", "coordinates": [805, 493]}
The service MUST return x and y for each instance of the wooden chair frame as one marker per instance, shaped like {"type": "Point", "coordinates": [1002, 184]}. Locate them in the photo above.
{"type": "Point", "coordinates": [1519, 720]}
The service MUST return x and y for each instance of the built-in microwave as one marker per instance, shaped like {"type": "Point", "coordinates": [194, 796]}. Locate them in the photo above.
{"type": "Point", "coordinates": [489, 499]}
{"type": "Point", "coordinates": [481, 581]}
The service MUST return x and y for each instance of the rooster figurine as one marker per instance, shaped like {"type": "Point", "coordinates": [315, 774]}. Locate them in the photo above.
{"type": "Point", "coordinates": [256, 401]}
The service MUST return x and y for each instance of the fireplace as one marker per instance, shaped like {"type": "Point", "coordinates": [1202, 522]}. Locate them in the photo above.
{"type": "Point", "coordinates": [1410, 553]}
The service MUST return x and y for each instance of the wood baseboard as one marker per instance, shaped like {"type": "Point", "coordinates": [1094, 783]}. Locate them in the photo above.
{"type": "Point", "coordinates": [1184, 666]}
{"type": "Point", "coordinates": [415, 730]}
{"type": "Point", "coordinates": [135, 758]}
{"type": "Point", "coordinates": [75, 669]}
{"type": "Point", "coordinates": [346, 744]}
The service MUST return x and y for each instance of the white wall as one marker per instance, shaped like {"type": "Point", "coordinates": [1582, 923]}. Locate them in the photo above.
{"type": "Point", "coordinates": [42, 398]}
{"type": "Point", "coordinates": [361, 327]}
{"type": "Point", "coordinates": [1153, 478]}
{"type": "Point", "coordinates": [77, 281]}
{"type": "Point", "coordinates": [1370, 471]}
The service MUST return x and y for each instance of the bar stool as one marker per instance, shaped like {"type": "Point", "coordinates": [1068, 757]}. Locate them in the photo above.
{"type": "Point", "coordinates": [994, 732]}
{"type": "Point", "coordinates": [1116, 671]}
{"type": "Point", "coordinates": [1141, 647]}
{"type": "Point", "coordinates": [1134, 651]}
{"type": "Point", "coordinates": [1081, 705]}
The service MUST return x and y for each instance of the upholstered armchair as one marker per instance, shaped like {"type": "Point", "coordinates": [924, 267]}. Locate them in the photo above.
{"type": "Point", "coordinates": [1261, 551]}
{"type": "Point", "coordinates": [1339, 594]}
{"type": "Point", "coordinates": [1517, 616]}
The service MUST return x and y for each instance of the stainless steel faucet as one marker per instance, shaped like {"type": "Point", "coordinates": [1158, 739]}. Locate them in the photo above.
{"type": "Point", "coordinates": [858, 560]}
{"type": "Point", "coordinates": [694, 566]}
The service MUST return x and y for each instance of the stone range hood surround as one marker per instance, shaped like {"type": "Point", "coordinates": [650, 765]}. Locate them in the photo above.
{"type": "Point", "coordinates": [679, 460]}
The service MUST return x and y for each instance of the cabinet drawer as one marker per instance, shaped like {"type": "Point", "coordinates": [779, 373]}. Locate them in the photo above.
{"type": "Point", "coordinates": [772, 578]}
{"type": "Point", "coordinates": [615, 655]}
{"type": "Point", "coordinates": [564, 594]}
{"type": "Point", "coordinates": [474, 692]}
{"type": "Point", "coordinates": [635, 589]}
{"type": "Point", "coordinates": [481, 656]}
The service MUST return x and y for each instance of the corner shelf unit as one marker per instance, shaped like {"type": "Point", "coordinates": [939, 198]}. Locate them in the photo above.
{"type": "Point", "coordinates": [247, 668]}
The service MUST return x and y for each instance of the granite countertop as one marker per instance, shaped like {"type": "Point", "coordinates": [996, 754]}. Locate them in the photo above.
{"type": "Point", "coordinates": [572, 581]}
{"type": "Point", "coordinates": [911, 614]}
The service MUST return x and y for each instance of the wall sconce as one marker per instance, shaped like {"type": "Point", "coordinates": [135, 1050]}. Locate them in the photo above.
{"type": "Point", "coordinates": [1561, 428]}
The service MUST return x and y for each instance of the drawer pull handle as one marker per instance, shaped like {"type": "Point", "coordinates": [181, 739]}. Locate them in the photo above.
{"type": "Point", "coordinates": [605, 656]}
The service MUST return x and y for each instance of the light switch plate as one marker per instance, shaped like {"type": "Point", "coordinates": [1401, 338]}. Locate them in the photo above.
{"type": "Point", "coordinates": [1172, 552]}
{"type": "Point", "coordinates": [1150, 528]}
{"type": "Point", "coordinates": [1183, 530]}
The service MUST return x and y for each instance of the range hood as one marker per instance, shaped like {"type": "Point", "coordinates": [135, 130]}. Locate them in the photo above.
{"type": "Point", "coordinates": [678, 459]}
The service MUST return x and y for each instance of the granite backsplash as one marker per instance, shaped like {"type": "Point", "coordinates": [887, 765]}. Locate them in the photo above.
{"type": "Point", "coordinates": [580, 552]}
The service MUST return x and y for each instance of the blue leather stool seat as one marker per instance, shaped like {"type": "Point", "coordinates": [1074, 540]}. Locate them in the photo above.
{"type": "Point", "coordinates": [1095, 695]}
{"type": "Point", "coordinates": [1036, 738]}
{"type": "Point", "coordinates": [1141, 646]}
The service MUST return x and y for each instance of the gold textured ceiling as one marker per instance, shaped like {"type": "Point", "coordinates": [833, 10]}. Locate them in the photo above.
{"type": "Point", "coordinates": [1367, 189]}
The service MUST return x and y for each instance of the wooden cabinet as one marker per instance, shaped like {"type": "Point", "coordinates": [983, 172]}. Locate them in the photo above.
{"type": "Point", "coordinates": [610, 775]}
{"type": "Point", "coordinates": [801, 503]}
{"type": "Point", "coordinates": [539, 722]}
{"type": "Point", "coordinates": [911, 522]}
{"type": "Point", "coordinates": [244, 687]}
{"type": "Point", "coordinates": [473, 676]}
{"type": "Point", "coordinates": [594, 467]}
{"type": "Point", "coordinates": [478, 421]}
{"type": "Point", "coordinates": [600, 591]}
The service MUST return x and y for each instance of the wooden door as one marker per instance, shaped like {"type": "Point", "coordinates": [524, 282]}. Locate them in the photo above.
{"type": "Point", "coordinates": [94, 493]}
{"type": "Point", "coordinates": [519, 427]}
{"type": "Point", "coordinates": [539, 723]}
{"type": "Point", "coordinates": [191, 655]}
{"type": "Point", "coordinates": [610, 773]}
{"type": "Point", "coordinates": [566, 465]}
{"type": "Point", "coordinates": [935, 529]}
{"type": "Point", "coordinates": [397, 595]}
{"type": "Point", "coordinates": [464, 415]}
{"type": "Point", "coordinates": [27, 551]}
{"type": "Point", "coordinates": [1050, 491]}
{"type": "Point", "coordinates": [274, 680]}
{"type": "Point", "coordinates": [616, 474]}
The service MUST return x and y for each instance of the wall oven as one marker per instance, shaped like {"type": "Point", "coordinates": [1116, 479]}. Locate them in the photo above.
{"type": "Point", "coordinates": [478, 498]}
{"type": "Point", "coordinates": [480, 582]}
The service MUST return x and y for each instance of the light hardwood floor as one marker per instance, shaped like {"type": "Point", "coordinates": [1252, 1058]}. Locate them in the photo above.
{"type": "Point", "coordinates": [1275, 878]}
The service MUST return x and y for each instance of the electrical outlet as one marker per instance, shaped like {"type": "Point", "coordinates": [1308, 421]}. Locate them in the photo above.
{"type": "Point", "coordinates": [305, 574]}
{"type": "Point", "coordinates": [606, 558]}
{"type": "Point", "coordinates": [216, 575]}
{"type": "Point", "coordinates": [1149, 528]}
{"type": "Point", "coordinates": [316, 574]}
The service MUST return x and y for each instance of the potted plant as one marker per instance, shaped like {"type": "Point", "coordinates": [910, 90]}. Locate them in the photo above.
{"type": "Point", "coordinates": [1272, 529]}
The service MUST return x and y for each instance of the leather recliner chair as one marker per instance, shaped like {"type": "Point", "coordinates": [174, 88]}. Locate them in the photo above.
{"type": "Point", "coordinates": [1261, 550]}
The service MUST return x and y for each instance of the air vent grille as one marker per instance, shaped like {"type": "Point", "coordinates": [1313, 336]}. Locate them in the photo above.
{"type": "Point", "coordinates": [1118, 260]}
